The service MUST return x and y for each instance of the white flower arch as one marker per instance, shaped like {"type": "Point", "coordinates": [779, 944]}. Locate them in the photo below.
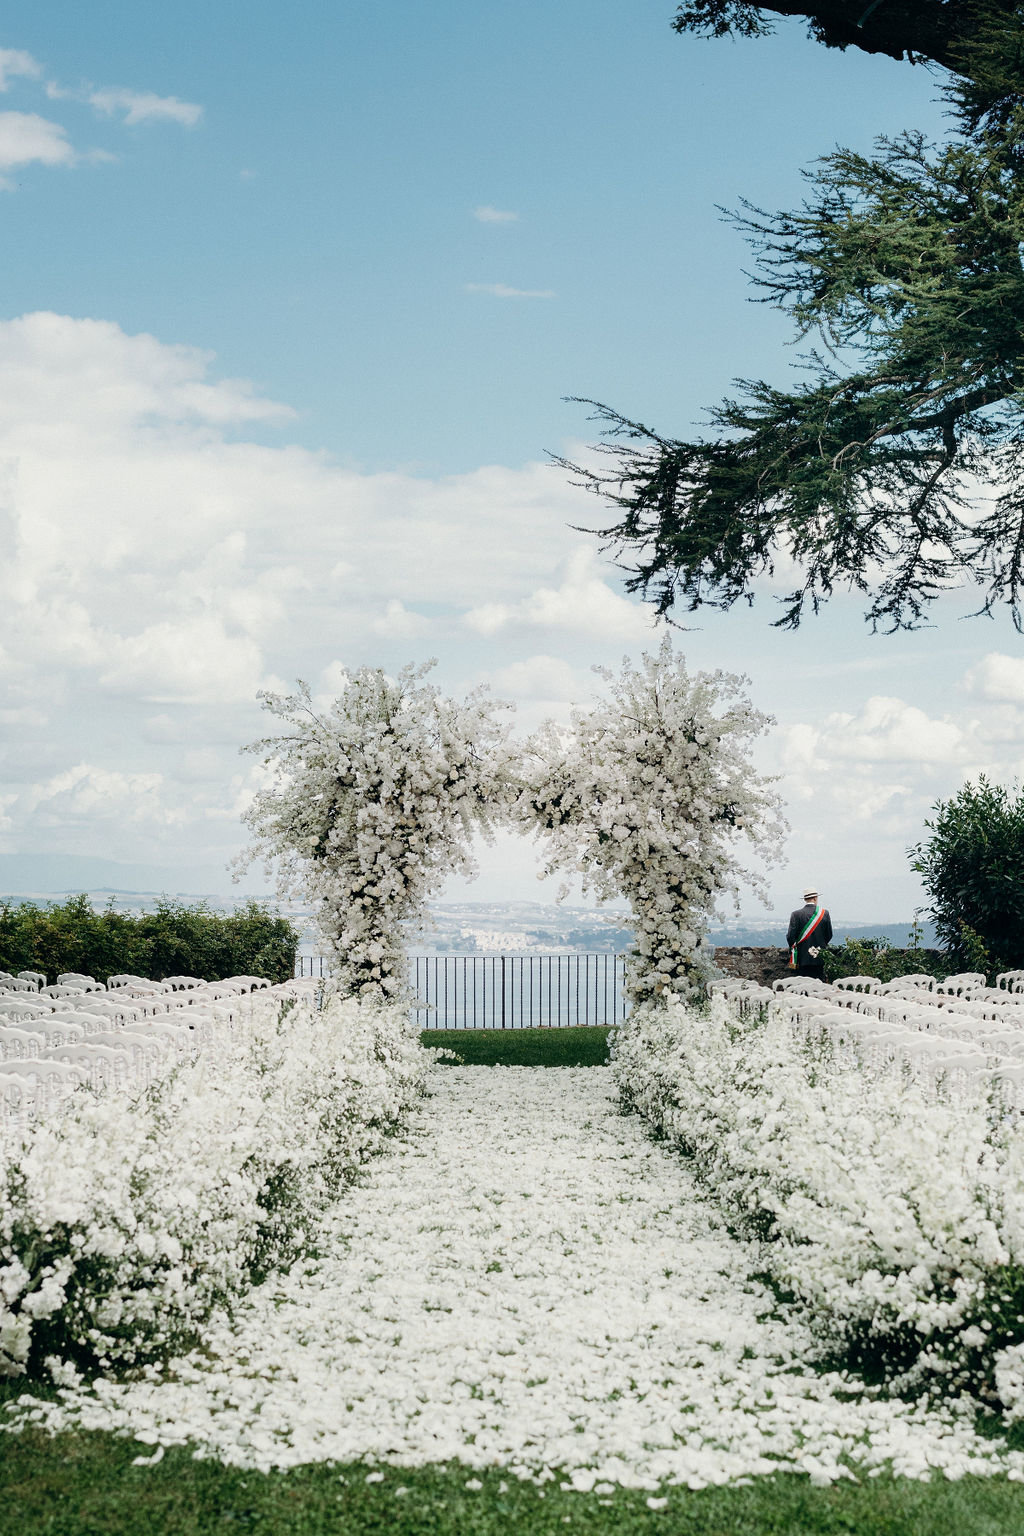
{"type": "Point", "coordinates": [372, 806]}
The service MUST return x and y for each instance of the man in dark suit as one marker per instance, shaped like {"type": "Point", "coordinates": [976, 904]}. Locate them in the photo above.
{"type": "Point", "coordinates": [810, 929]}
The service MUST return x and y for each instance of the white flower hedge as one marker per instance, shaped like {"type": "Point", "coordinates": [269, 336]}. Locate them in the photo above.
{"type": "Point", "coordinates": [124, 1224]}
{"type": "Point", "coordinates": [893, 1214]}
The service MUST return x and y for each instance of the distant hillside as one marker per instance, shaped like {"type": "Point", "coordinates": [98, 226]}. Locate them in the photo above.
{"type": "Point", "coordinates": [898, 934]}
{"type": "Point", "coordinates": [525, 927]}
{"type": "Point", "coordinates": [520, 927]}
{"type": "Point", "coordinates": [57, 874]}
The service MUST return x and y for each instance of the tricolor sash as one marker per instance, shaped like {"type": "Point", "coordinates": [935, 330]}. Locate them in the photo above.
{"type": "Point", "coordinates": [819, 913]}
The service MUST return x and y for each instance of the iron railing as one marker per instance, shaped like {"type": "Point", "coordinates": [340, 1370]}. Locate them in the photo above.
{"type": "Point", "coordinates": [509, 991]}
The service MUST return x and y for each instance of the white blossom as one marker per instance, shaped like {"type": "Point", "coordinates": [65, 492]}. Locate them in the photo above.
{"type": "Point", "coordinates": [645, 797]}
{"type": "Point", "coordinates": [525, 1280]}
{"type": "Point", "coordinates": [372, 806]}
{"type": "Point", "coordinates": [894, 1211]}
{"type": "Point", "coordinates": [125, 1222]}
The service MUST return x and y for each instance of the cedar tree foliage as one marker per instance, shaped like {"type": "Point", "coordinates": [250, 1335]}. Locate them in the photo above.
{"type": "Point", "coordinates": [895, 465]}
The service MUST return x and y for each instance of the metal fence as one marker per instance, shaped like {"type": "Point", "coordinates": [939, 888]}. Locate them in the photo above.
{"type": "Point", "coordinates": [509, 991]}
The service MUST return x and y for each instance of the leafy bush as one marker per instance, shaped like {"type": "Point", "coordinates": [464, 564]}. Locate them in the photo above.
{"type": "Point", "coordinates": [173, 939]}
{"type": "Point", "coordinates": [973, 870]}
{"type": "Point", "coordinates": [878, 957]}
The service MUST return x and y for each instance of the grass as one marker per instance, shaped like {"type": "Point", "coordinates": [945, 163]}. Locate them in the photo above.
{"type": "Point", "coordinates": [579, 1046]}
{"type": "Point", "coordinates": [84, 1485]}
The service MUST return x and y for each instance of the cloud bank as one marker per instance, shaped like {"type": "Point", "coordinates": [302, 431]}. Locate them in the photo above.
{"type": "Point", "coordinates": [166, 559]}
{"type": "Point", "coordinates": [163, 568]}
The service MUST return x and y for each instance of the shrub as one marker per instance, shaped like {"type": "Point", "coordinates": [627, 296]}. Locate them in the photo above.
{"type": "Point", "coordinates": [973, 870]}
{"type": "Point", "coordinates": [878, 957]}
{"type": "Point", "coordinates": [173, 939]}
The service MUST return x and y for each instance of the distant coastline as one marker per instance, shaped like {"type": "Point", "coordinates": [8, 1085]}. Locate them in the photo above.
{"type": "Point", "coordinates": [515, 927]}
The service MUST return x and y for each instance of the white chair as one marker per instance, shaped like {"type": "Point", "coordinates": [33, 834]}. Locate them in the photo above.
{"type": "Point", "coordinates": [962, 983]}
{"type": "Point", "coordinates": [89, 1023]}
{"type": "Point", "coordinates": [46, 1069]}
{"type": "Point", "coordinates": [36, 977]}
{"type": "Point", "coordinates": [14, 1008]}
{"type": "Point", "coordinates": [19, 1044]}
{"type": "Point", "coordinates": [53, 1032]}
{"type": "Point", "coordinates": [174, 1034]}
{"type": "Point", "coordinates": [148, 1055]}
{"type": "Point", "coordinates": [106, 1067]}
{"type": "Point", "coordinates": [19, 1099]}
{"type": "Point", "coordinates": [110, 1008]}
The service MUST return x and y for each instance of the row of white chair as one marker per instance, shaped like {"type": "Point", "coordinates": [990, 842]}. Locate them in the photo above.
{"type": "Point", "coordinates": [112, 1042]}
{"type": "Point", "coordinates": [943, 1042]}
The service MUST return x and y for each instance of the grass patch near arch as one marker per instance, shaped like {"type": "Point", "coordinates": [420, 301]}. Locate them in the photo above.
{"type": "Point", "coordinates": [84, 1484]}
{"type": "Point", "coordinates": [584, 1045]}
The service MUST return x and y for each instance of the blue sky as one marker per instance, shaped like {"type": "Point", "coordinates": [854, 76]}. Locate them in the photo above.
{"type": "Point", "coordinates": [292, 297]}
{"type": "Point", "coordinates": [315, 228]}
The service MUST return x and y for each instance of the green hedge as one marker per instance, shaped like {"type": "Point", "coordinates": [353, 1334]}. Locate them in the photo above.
{"type": "Point", "coordinates": [877, 957]}
{"type": "Point", "coordinates": [171, 940]}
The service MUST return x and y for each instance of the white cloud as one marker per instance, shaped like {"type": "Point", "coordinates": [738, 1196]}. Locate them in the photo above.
{"type": "Point", "coordinates": [503, 291]}
{"type": "Point", "coordinates": [144, 107]}
{"type": "Point", "coordinates": [27, 138]}
{"type": "Point", "coordinates": [583, 602]}
{"type": "Point", "coordinates": [90, 376]}
{"type": "Point", "coordinates": [185, 660]}
{"type": "Point", "coordinates": [997, 678]}
{"type": "Point", "coordinates": [160, 568]}
{"type": "Point", "coordinates": [875, 771]}
{"type": "Point", "coordinates": [14, 62]}
{"type": "Point", "coordinates": [399, 622]}
{"type": "Point", "coordinates": [890, 730]}
{"type": "Point", "coordinates": [548, 678]}
{"type": "Point", "coordinates": [486, 214]}
{"type": "Point", "coordinates": [90, 793]}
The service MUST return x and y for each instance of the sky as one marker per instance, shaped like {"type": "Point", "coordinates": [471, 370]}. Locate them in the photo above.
{"type": "Point", "coordinates": [293, 297]}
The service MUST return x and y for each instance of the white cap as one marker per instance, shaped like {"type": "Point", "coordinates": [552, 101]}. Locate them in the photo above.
{"type": "Point", "coordinates": [810, 894]}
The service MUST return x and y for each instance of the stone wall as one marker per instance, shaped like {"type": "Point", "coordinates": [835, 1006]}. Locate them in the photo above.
{"type": "Point", "coordinates": [767, 965]}
{"type": "Point", "coordinates": [763, 965]}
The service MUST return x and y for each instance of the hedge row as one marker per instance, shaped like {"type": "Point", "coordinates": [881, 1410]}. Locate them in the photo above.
{"type": "Point", "coordinates": [877, 957]}
{"type": "Point", "coordinates": [171, 940]}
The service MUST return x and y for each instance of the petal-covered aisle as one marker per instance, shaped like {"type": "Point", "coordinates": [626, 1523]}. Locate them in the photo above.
{"type": "Point", "coordinates": [526, 1279]}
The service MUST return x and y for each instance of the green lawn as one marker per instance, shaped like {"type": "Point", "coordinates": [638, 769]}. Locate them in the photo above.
{"type": "Point", "coordinates": [85, 1485]}
{"type": "Point", "coordinates": [582, 1046]}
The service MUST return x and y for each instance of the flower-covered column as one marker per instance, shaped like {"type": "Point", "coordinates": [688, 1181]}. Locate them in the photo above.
{"type": "Point", "coordinates": [645, 798]}
{"type": "Point", "coordinates": [373, 805]}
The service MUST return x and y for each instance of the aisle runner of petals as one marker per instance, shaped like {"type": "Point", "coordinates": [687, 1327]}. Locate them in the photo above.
{"type": "Point", "coordinates": [527, 1280]}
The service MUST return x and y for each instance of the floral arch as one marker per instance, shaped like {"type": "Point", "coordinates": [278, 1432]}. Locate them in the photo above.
{"type": "Point", "coordinates": [646, 796]}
